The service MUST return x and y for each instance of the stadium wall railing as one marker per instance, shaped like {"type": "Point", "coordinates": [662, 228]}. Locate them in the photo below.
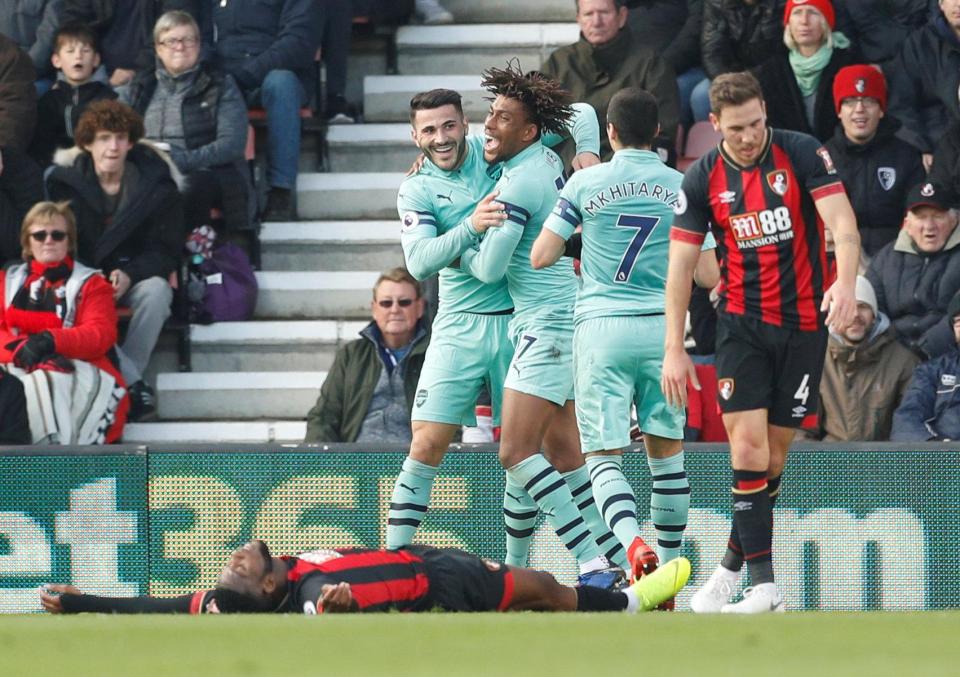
{"type": "Point", "coordinates": [858, 527]}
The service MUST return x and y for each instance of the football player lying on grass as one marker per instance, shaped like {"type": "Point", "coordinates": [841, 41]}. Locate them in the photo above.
{"type": "Point", "coordinates": [415, 578]}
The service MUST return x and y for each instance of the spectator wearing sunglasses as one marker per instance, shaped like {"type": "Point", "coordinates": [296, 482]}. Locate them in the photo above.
{"type": "Point", "coordinates": [369, 391]}
{"type": "Point", "coordinates": [58, 327]}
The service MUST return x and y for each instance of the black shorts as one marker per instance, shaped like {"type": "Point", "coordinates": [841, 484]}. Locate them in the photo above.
{"type": "Point", "coordinates": [460, 581]}
{"type": "Point", "coordinates": [760, 366]}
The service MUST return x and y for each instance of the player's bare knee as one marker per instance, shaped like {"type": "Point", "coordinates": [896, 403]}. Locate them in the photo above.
{"type": "Point", "coordinates": [661, 447]}
{"type": "Point", "coordinates": [512, 454]}
{"type": "Point", "coordinates": [430, 442]}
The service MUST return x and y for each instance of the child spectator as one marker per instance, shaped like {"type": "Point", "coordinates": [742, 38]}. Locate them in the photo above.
{"type": "Point", "coordinates": [75, 56]}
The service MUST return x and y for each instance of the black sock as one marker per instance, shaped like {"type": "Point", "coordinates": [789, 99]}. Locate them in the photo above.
{"type": "Point", "coordinates": [598, 599]}
{"type": "Point", "coordinates": [733, 557]}
{"type": "Point", "coordinates": [753, 518]}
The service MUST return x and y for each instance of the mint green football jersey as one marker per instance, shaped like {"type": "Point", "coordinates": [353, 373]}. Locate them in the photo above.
{"type": "Point", "coordinates": [528, 190]}
{"type": "Point", "coordinates": [626, 209]}
{"type": "Point", "coordinates": [434, 207]}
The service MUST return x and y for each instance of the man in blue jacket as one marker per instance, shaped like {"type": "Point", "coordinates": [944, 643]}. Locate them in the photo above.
{"type": "Point", "coordinates": [268, 47]}
{"type": "Point", "coordinates": [930, 409]}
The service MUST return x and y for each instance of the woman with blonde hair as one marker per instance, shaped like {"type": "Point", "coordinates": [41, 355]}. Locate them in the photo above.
{"type": "Point", "coordinates": [58, 327]}
{"type": "Point", "coordinates": [797, 83]}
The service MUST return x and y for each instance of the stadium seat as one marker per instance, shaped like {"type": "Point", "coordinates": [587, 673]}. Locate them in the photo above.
{"type": "Point", "coordinates": [700, 139]}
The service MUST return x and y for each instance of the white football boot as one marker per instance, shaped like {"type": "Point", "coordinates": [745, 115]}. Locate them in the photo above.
{"type": "Point", "coordinates": [716, 592]}
{"type": "Point", "coordinates": [759, 599]}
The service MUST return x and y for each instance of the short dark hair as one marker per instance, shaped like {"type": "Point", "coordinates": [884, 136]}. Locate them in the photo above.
{"type": "Point", "coordinates": [544, 99]}
{"type": "Point", "coordinates": [108, 116]}
{"type": "Point", "coordinates": [635, 114]}
{"type": "Point", "coordinates": [435, 98]}
{"type": "Point", "coordinates": [733, 89]}
{"type": "Point", "coordinates": [75, 31]}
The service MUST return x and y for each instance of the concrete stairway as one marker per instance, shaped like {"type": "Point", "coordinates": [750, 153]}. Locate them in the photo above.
{"type": "Point", "coordinates": [255, 381]}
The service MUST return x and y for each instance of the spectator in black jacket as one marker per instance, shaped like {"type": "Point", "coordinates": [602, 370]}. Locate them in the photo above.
{"type": "Point", "coordinates": [917, 275]}
{"type": "Point", "coordinates": [124, 29]}
{"type": "Point", "coordinates": [75, 57]}
{"type": "Point", "coordinates": [268, 48]}
{"type": "Point", "coordinates": [18, 96]}
{"type": "Point", "coordinates": [878, 29]}
{"type": "Point", "coordinates": [877, 168]}
{"type": "Point", "coordinates": [946, 160]}
{"type": "Point", "coordinates": [924, 79]}
{"type": "Point", "coordinates": [797, 83]}
{"type": "Point", "coordinates": [737, 35]}
{"type": "Point", "coordinates": [672, 29]}
{"type": "Point", "coordinates": [21, 186]}
{"type": "Point", "coordinates": [129, 225]}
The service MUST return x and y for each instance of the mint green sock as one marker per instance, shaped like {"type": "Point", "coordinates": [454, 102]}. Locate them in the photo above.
{"type": "Point", "coordinates": [669, 504]}
{"type": "Point", "coordinates": [551, 494]}
{"type": "Point", "coordinates": [615, 496]}
{"type": "Point", "coordinates": [519, 519]}
{"type": "Point", "coordinates": [579, 482]}
{"type": "Point", "coordinates": [408, 504]}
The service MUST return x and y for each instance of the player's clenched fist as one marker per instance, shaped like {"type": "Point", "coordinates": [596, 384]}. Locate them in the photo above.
{"type": "Point", "coordinates": [488, 213]}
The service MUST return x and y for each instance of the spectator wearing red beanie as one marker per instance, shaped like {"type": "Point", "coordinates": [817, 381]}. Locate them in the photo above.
{"type": "Point", "coordinates": [877, 168]}
{"type": "Point", "coordinates": [797, 83]}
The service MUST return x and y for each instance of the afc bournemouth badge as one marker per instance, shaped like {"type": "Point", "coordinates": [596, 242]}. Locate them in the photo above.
{"type": "Point", "coordinates": [887, 176]}
{"type": "Point", "coordinates": [860, 85]}
{"type": "Point", "coordinates": [725, 386]}
{"type": "Point", "coordinates": [777, 180]}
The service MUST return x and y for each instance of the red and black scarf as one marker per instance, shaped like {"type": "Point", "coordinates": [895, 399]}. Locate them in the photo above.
{"type": "Point", "coordinates": [40, 304]}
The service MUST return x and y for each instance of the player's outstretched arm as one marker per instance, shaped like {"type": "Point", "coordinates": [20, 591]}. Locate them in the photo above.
{"type": "Point", "coordinates": [677, 366]}
{"type": "Point", "coordinates": [66, 599]}
{"type": "Point", "coordinates": [840, 299]}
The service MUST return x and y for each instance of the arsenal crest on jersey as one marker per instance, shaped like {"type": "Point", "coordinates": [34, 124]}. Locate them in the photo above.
{"type": "Point", "coordinates": [777, 180]}
{"type": "Point", "coordinates": [887, 176]}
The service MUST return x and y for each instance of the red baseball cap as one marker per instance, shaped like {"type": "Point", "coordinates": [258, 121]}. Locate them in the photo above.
{"type": "Point", "coordinates": [825, 7]}
{"type": "Point", "coordinates": [859, 80]}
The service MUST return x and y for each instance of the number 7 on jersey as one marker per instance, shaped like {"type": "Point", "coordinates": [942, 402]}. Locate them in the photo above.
{"type": "Point", "coordinates": [644, 225]}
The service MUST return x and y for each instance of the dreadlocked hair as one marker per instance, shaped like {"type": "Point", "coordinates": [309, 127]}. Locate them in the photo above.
{"type": "Point", "coordinates": [547, 103]}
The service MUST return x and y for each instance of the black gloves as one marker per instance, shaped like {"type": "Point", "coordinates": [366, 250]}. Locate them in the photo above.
{"type": "Point", "coordinates": [33, 350]}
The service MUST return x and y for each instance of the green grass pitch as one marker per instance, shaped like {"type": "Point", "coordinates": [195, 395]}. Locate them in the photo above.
{"type": "Point", "coordinates": [519, 645]}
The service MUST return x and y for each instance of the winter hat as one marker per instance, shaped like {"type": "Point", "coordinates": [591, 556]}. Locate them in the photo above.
{"type": "Point", "coordinates": [859, 80]}
{"type": "Point", "coordinates": [865, 294]}
{"type": "Point", "coordinates": [928, 194]}
{"type": "Point", "coordinates": [825, 7]}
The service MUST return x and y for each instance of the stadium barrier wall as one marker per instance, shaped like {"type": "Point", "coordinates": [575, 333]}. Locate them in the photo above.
{"type": "Point", "coordinates": [857, 527]}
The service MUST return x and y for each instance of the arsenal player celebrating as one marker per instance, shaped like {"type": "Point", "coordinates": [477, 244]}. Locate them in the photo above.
{"type": "Point", "coordinates": [767, 195]}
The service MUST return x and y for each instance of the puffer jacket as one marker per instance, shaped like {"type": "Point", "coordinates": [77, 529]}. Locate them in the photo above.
{"type": "Point", "coordinates": [914, 290]}
{"type": "Point", "coordinates": [863, 384]}
{"type": "Point", "coordinates": [737, 36]}
{"type": "Point", "coordinates": [931, 406]}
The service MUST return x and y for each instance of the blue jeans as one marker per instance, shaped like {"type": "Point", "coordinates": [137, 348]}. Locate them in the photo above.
{"type": "Point", "coordinates": [700, 100]}
{"type": "Point", "coordinates": [282, 95]}
{"type": "Point", "coordinates": [686, 83]}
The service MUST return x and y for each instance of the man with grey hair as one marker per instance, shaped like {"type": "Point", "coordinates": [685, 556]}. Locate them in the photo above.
{"type": "Point", "coordinates": [916, 275]}
{"type": "Point", "coordinates": [865, 375]}
{"type": "Point", "coordinates": [368, 393]}
{"type": "Point", "coordinates": [607, 58]}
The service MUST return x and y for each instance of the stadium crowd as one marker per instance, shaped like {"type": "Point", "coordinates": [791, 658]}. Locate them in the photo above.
{"type": "Point", "coordinates": [124, 140]}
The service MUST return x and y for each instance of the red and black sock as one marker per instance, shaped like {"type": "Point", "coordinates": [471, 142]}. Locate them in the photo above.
{"type": "Point", "coordinates": [753, 519]}
{"type": "Point", "coordinates": [733, 557]}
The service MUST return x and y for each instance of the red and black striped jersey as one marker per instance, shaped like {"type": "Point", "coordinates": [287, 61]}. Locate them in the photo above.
{"type": "Point", "coordinates": [380, 580]}
{"type": "Point", "coordinates": [769, 235]}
